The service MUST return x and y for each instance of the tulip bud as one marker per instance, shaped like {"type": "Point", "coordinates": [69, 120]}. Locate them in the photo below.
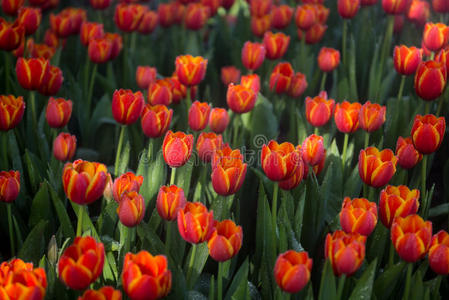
{"type": "Point", "coordinates": [439, 253]}
{"type": "Point", "coordinates": [314, 34]}
{"type": "Point", "coordinates": [305, 16]}
{"type": "Point", "coordinates": [170, 200]}
{"type": "Point", "coordinates": [100, 4]}
{"type": "Point", "coordinates": [328, 59]}
{"type": "Point", "coordinates": [196, 16]}
{"type": "Point", "coordinates": [259, 8]}
{"type": "Point", "coordinates": [279, 161]}
{"type": "Point", "coordinates": [319, 109]}
{"type": "Point", "coordinates": [281, 16]}
{"type": "Point", "coordinates": [345, 251]}
{"type": "Point", "coordinates": [148, 22]}
{"type": "Point", "coordinates": [397, 201]}
{"type": "Point", "coordinates": [117, 44]}
{"type": "Point", "coordinates": [276, 44]}
{"type": "Point", "coordinates": [376, 167]}
{"type": "Point", "coordinates": [358, 216]}
{"type": "Point", "coordinates": [89, 31]}
{"type": "Point", "coordinates": [440, 6]}
{"type": "Point", "coordinates": [394, 7]}
{"type": "Point", "coordinates": [398, 24]}
{"type": "Point", "coordinates": [127, 16]}
{"type": "Point", "coordinates": [155, 120]}
{"type": "Point", "coordinates": [260, 25]}
{"type": "Point", "coordinates": [51, 39]}
{"type": "Point", "coordinates": [11, 111]}
{"type": "Point", "coordinates": [54, 82]}
{"type": "Point", "coordinates": [418, 12]}
{"type": "Point", "coordinates": [407, 155]}
{"type": "Point", "coordinates": [11, 7]}
{"type": "Point", "coordinates": [145, 276]}
{"type": "Point", "coordinates": [198, 115]}
{"type": "Point", "coordinates": [61, 25]}
{"type": "Point", "coordinates": [218, 120]}
{"type": "Point", "coordinates": [41, 50]}
{"type": "Point", "coordinates": [131, 209]}
{"type": "Point", "coordinates": [227, 4]}
{"type": "Point", "coordinates": [346, 116]}
{"type": "Point", "coordinates": [165, 14]}
{"type": "Point", "coordinates": [406, 60]}
{"type": "Point", "coordinates": [207, 144]}
{"type": "Point", "coordinates": [190, 70]}
{"type": "Point", "coordinates": [298, 85]}
{"type": "Point", "coordinates": [58, 112]}
{"type": "Point", "coordinates": [294, 180]}
{"type": "Point", "coordinates": [212, 5]}
{"type": "Point", "coordinates": [127, 182]}
{"type": "Point", "coordinates": [127, 106]}
{"type": "Point", "coordinates": [160, 92]}
{"type": "Point", "coordinates": [30, 18]}
{"type": "Point", "coordinates": [368, 2]}
{"type": "Point", "coordinates": [9, 186]}
{"type": "Point", "coordinates": [64, 146]}
{"type": "Point", "coordinates": [281, 77]}
{"type": "Point", "coordinates": [240, 99]}
{"type": "Point", "coordinates": [253, 55]}
{"type": "Point", "coordinates": [145, 75]}
{"type": "Point", "coordinates": [292, 271]}
{"type": "Point", "coordinates": [252, 82]}
{"type": "Point", "coordinates": [195, 223]}
{"type": "Point", "coordinates": [81, 263]}
{"type": "Point", "coordinates": [230, 74]}
{"type": "Point", "coordinates": [105, 293]}
{"type": "Point", "coordinates": [435, 36]}
{"type": "Point", "coordinates": [313, 149]}
{"type": "Point", "coordinates": [11, 35]}
{"type": "Point", "coordinates": [99, 50]}
{"type": "Point", "coordinates": [430, 80]}
{"type": "Point", "coordinates": [347, 9]}
{"type": "Point", "coordinates": [177, 148]}
{"type": "Point", "coordinates": [427, 133]}
{"type": "Point", "coordinates": [371, 116]}
{"type": "Point", "coordinates": [32, 72]}
{"type": "Point", "coordinates": [84, 181]}
{"type": "Point", "coordinates": [226, 240]}
{"type": "Point", "coordinates": [411, 237]}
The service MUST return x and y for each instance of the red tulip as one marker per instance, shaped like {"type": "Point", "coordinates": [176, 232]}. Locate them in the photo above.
{"type": "Point", "coordinates": [397, 201]}
{"type": "Point", "coordinates": [230, 74]}
{"type": "Point", "coordinates": [195, 223]}
{"type": "Point", "coordinates": [281, 78]}
{"type": "Point", "coordinates": [305, 16]}
{"type": "Point", "coordinates": [279, 161]}
{"type": "Point", "coordinates": [358, 216]}
{"type": "Point", "coordinates": [427, 133]}
{"type": "Point", "coordinates": [347, 9]}
{"type": "Point", "coordinates": [253, 55]}
{"type": "Point", "coordinates": [127, 16]}
{"type": "Point", "coordinates": [64, 146]}
{"type": "Point", "coordinates": [439, 253]}
{"type": "Point", "coordinates": [127, 182]}
{"type": "Point", "coordinates": [131, 208]}
{"type": "Point", "coordinates": [177, 148]}
{"type": "Point", "coordinates": [371, 116]}
{"type": "Point", "coordinates": [376, 167]}
{"type": "Point", "coordinates": [292, 271]}
{"type": "Point", "coordinates": [298, 85]}
{"type": "Point", "coordinates": [228, 171]}
{"type": "Point", "coordinates": [346, 116]}
{"type": "Point", "coordinates": [430, 79]}
{"type": "Point", "coordinates": [148, 22]}
{"type": "Point", "coordinates": [406, 60]}
{"type": "Point", "coordinates": [170, 200]}
{"type": "Point", "coordinates": [394, 7]}
{"type": "Point", "coordinates": [260, 25]}
{"type": "Point", "coordinates": [281, 16]}
{"type": "Point", "coordinates": [206, 145]}
{"type": "Point", "coordinates": [30, 18]}
{"type": "Point", "coordinates": [328, 59]}
{"type": "Point", "coordinates": [218, 119]}
{"type": "Point", "coordinates": [155, 120]}
{"type": "Point", "coordinates": [145, 75]}
{"type": "Point", "coordinates": [11, 111]}
{"type": "Point", "coordinates": [58, 112]}
{"type": "Point", "coordinates": [240, 99]}
{"type": "Point", "coordinates": [226, 240]}
{"type": "Point", "coordinates": [252, 82]}
{"type": "Point", "coordinates": [319, 109]}
{"type": "Point", "coordinates": [407, 155]}
{"type": "Point", "coordinates": [32, 73]}
{"type": "Point", "coordinates": [105, 293]}
{"type": "Point", "coordinates": [276, 44]}
{"type": "Point", "coordinates": [198, 115]}
{"type": "Point", "coordinates": [196, 16]}
{"type": "Point", "coordinates": [11, 35]}
{"type": "Point", "coordinates": [11, 7]}
{"type": "Point", "coordinates": [190, 70]}
{"type": "Point", "coordinates": [9, 186]}
{"type": "Point", "coordinates": [435, 36]}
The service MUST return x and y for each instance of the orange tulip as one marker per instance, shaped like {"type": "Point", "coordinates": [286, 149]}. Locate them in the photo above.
{"type": "Point", "coordinates": [81, 263]}
{"type": "Point", "coordinates": [230, 74]}
{"type": "Point", "coordinates": [411, 237]}
{"type": "Point", "coordinates": [346, 116]}
{"type": "Point", "coordinates": [406, 60]}
{"type": "Point", "coordinates": [397, 201]}
{"type": "Point", "coordinates": [9, 186]}
{"type": "Point", "coordinates": [240, 99]}
{"type": "Point", "coordinates": [11, 111]}
{"type": "Point", "coordinates": [127, 16]}
{"type": "Point", "coordinates": [105, 293]}
{"type": "Point", "coordinates": [146, 276]}
{"type": "Point", "coordinates": [347, 9]}
{"type": "Point", "coordinates": [228, 171]}
{"type": "Point", "coordinates": [195, 223]}
{"type": "Point", "coordinates": [407, 154]}
{"type": "Point", "coordinates": [298, 85]}
{"type": "Point", "coordinates": [160, 92]}
{"type": "Point", "coordinates": [276, 44]}
{"type": "Point", "coordinates": [127, 106]}
{"type": "Point", "coordinates": [358, 216]}
{"type": "Point", "coordinates": [218, 119]}
{"type": "Point", "coordinates": [346, 251]}
{"type": "Point", "coordinates": [155, 120]}
{"type": "Point", "coordinates": [190, 70]}
{"type": "Point", "coordinates": [89, 31]}
{"type": "Point", "coordinates": [292, 270]}
{"type": "Point", "coordinates": [206, 145]}
{"type": "Point", "coordinates": [127, 182]}
{"type": "Point", "coordinates": [328, 59]}
{"type": "Point", "coordinates": [281, 77]}
{"type": "Point", "coordinates": [319, 109]}
{"type": "Point", "coordinates": [145, 75]}
{"type": "Point", "coordinates": [439, 253]}
{"type": "Point", "coordinates": [313, 149]}
{"type": "Point", "coordinates": [131, 208]}
{"type": "Point", "coordinates": [177, 148]}
{"type": "Point", "coordinates": [58, 112]}
{"type": "Point", "coordinates": [279, 161]}
{"type": "Point", "coordinates": [33, 72]}
{"type": "Point", "coordinates": [376, 167]}
{"type": "Point", "coordinates": [64, 146]}
{"type": "Point", "coordinates": [427, 133]}
{"type": "Point", "coordinates": [252, 82]}
{"type": "Point", "coordinates": [259, 8]}
{"type": "Point", "coordinates": [435, 36]}
{"type": "Point", "coordinates": [170, 200]}
{"type": "Point", "coordinates": [117, 44]}
{"type": "Point", "coordinates": [198, 115]}
{"type": "Point", "coordinates": [305, 16]}
{"type": "Point", "coordinates": [294, 180]}
{"type": "Point", "coordinates": [430, 79]}
{"type": "Point", "coordinates": [253, 55]}
{"type": "Point", "coordinates": [371, 116]}
{"type": "Point", "coordinates": [148, 22]}
{"type": "Point", "coordinates": [226, 240]}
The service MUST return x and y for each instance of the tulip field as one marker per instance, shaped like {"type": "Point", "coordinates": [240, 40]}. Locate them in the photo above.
{"type": "Point", "coordinates": [224, 149]}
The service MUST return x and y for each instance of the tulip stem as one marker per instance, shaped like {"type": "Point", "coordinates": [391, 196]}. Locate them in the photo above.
{"type": "Point", "coordinates": [323, 81]}
{"type": "Point", "coordinates": [275, 203]}
{"type": "Point", "coordinates": [343, 40]}
{"type": "Point", "coordinates": [391, 255]}
{"type": "Point", "coordinates": [90, 91]}
{"type": "Point", "coordinates": [427, 107]}
{"type": "Point", "coordinates": [125, 57]}
{"type": "Point", "coordinates": [384, 51]}
{"type": "Point", "coordinates": [173, 176]}
{"type": "Point", "coordinates": [119, 149]}
{"type": "Point", "coordinates": [4, 164]}
{"type": "Point", "coordinates": [150, 150]}
{"type": "Point", "coordinates": [316, 131]}
{"type": "Point", "coordinates": [168, 237]}
{"type": "Point", "coordinates": [345, 148]}
{"type": "Point", "coordinates": [401, 88]}
{"type": "Point", "coordinates": [440, 106]}
{"type": "Point", "coordinates": [79, 227]}
{"type": "Point", "coordinates": [7, 70]}
{"type": "Point", "coordinates": [407, 281]}
{"type": "Point", "coordinates": [303, 54]}
{"type": "Point", "coordinates": [190, 268]}
{"type": "Point", "coordinates": [11, 230]}
{"type": "Point", "coordinates": [366, 139]}
{"type": "Point", "coordinates": [33, 108]}
{"type": "Point", "coordinates": [220, 281]}
{"type": "Point", "coordinates": [341, 285]}
{"type": "Point", "coordinates": [423, 183]}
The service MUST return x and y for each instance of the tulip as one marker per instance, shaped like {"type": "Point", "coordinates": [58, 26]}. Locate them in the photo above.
{"type": "Point", "coordinates": [148, 22]}
{"type": "Point", "coordinates": [394, 7]}
{"type": "Point", "coordinates": [212, 5]}
{"type": "Point", "coordinates": [218, 120]}
{"type": "Point", "coordinates": [177, 148]}
{"type": "Point", "coordinates": [190, 70]}
{"type": "Point", "coordinates": [81, 263]}
{"type": "Point", "coordinates": [397, 201]}
{"type": "Point", "coordinates": [42, 50]}
{"type": "Point", "coordinates": [145, 75]}
{"type": "Point", "coordinates": [313, 149]}
{"type": "Point", "coordinates": [126, 183]}
{"type": "Point", "coordinates": [240, 99]}
{"type": "Point", "coordinates": [99, 50]}
{"type": "Point", "coordinates": [9, 186]}
{"type": "Point", "coordinates": [322, 13]}
{"type": "Point", "coordinates": [155, 120]}
{"type": "Point", "coordinates": [292, 270]}
{"type": "Point", "coordinates": [443, 56]}
{"type": "Point", "coordinates": [368, 2]}
{"type": "Point", "coordinates": [227, 4]}
{"type": "Point", "coordinates": [127, 106]}
{"type": "Point", "coordinates": [281, 16]}
{"type": "Point", "coordinates": [406, 60]}
{"type": "Point", "coordinates": [228, 171]}
{"type": "Point", "coordinates": [33, 72]}
{"type": "Point", "coordinates": [407, 155]}
{"type": "Point", "coordinates": [64, 146]}
{"type": "Point", "coordinates": [105, 293]}
{"type": "Point", "coordinates": [11, 7]}
{"type": "Point", "coordinates": [252, 82]}
{"type": "Point", "coordinates": [376, 167]}
{"type": "Point", "coordinates": [61, 25]}
{"type": "Point", "coordinates": [131, 209]}
{"type": "Point", "coordinates": [253, 55]}
{"type": "Point", "coordinates": [54, 82]}
{"type": "Point", "coordinates": [160, 92]}
{"type": "Point", "coordinates": [84, 181]}
{"type": "Point", "coordinates": [440, 6]}
{"type": "Point", "coordinates": [165, 14]}
{"type": "Point", "coordinates": [117, 44]}
{"type": "Point", "coordinates": [195, 223]}
{"type": "Point", "coordinates": [170, 200]}
{"type": "Point", "coordinates": [314, 34]}
{"type": "Point", "coordinates": [178, 11]}
{"type": "Point", "coordinates": [347, 9]}
{"type": "Point", "coordinates": [127, 16]}
{"type": "Point", "coordinates": [358, 216]}
{"type": "Point", "coordinates": [76, 17]}
{"type": "Point", "coordinates": [411, 237]}
{"type": "Point", "coordinates": [259, 8]}
{"type": "Point", "coordinates": [89, 31]}
{"type": "Point", "coordinates": [11, 35]}
{"type": "Point", "coordinates": [371, 116]}
{"type": "Point", "coordinates": [346, 116]}
{"type": "Point", "coordinates": [346, 251]}
{"type": "Point", "coordinates": [260, 25]}
{"type": "Point", "coordinates": [226, 240]}
{"type": "Point", "coordinates": [319, 109]}
{"type": "Point", "coordinates": [279, 161]}
{"type": "Point", "coordinates": [198, 115]}
{"type": "Point", "coordinates": [398, 23]}
{"type": "Point", "coordinates": [328, 59]}
{"type": "Point", "coordinates": [206, 145]}
{"type": "Point", "coordinates": [281, 77]}
{"type": "Point", "coordinates": [435, 36]}
{"type": "Point", "coordinates": [419, 12]}
{"type": "Point", "coordinates": [439, 253]}
{"type": "Point", "coordinates": [230, 74]}
{"type": "Point", "coordinates": [196, 16]}
{"type": "Point", "coordinates": [430, 80]}
{"type": "Point", "coordinates": [146, 276]}
{"type": "Point", "coordinates": [427, 133]}
{"type": "Point", "coordinates": [298, 85]}
{"type": "Point", "coordinates": [305, 16]}
{"type": "Point", "coordinates": [294, 180]}
{"type": "Point", "coordinates": [51, 39]}
{"type": "Point", "coordinates": [11, 111]}
{"type": "Point", "coordinates": [30, 18]}
{"type": "Point", "coordinates": [100, 4]}
{"type": "Point", "coordinates": [276, 44]}
{"type": "Point", "coordinates": [58, 112]}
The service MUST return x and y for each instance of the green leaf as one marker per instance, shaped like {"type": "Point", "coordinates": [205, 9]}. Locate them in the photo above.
{"type": "Point", "coordinates": [386, 282]}
{"type": "Point", "coordinates": [61, 212]}
{"type": "Point", "coordinates": [364, 286]}
{"type": "Point", "coordinates": [328, 288]}
{"type": "Point", "coordinates": [33, 169]}
{"type": "Point", "coordinates": [40, 207]}
{"type": "Point", "coordinates": [184, 175]}
{"type": "Point", "coordinates": [201, 255]}
{"type": "Point", "coordinates": [34, 246]}
{"type": "Point", "coordinates": [239, 285]}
